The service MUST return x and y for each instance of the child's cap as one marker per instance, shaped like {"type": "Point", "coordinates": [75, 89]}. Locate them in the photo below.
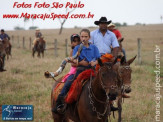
{"type": "Point", "coordinates": [73, 36]}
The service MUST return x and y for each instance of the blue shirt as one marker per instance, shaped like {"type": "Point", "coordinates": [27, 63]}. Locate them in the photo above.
{"type": "Point", "coordinates": [103, 43]}
{"type": "Point", "coordinates": [90, 54]}
{"type": "Point", "coordinates": [3, 36]}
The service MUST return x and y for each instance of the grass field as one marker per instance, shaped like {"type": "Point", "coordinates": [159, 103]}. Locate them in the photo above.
{"type": "Point", "coordinates": [24, 83]}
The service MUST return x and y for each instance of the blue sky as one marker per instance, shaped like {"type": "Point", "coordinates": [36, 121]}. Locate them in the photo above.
{"type": "Point", "coordinates": [129, 11]}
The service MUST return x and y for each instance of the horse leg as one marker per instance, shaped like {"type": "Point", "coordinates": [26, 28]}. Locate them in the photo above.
{"type": "Point", "coordinates": [38, 54]}
{"type": "Point", "coordinates": [43, 54]}
{"type": "Point", "coordinates": [1, 64]}
{"type": "Point", "coordinates": [10, 50]}
{"type": "Point", "coordinates": [7, 56]}
{"type": "Point", "coordinates": [120, 109]}
{"type": "Point", "coordinates": [33, 53]}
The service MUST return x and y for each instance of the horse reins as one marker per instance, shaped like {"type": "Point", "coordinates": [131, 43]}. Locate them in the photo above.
{"type": "Point", "coordinates": [91, 94]}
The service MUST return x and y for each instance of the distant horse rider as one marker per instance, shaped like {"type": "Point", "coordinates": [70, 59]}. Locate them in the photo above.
{"type": "Point", "coordinates": [3, 38]}
{"type": "Point", "coordinates": [38, 36]}
{"type": "Point", "coordinates": [117, 33]}
{"type": "Point", "coordinates": [3, 35]}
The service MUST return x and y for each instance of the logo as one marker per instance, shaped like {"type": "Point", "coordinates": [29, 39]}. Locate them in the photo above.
{"type": "Point", "coordinates": [17, 112]}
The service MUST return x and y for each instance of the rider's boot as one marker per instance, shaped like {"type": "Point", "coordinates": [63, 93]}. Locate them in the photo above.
{"type": "Point", "coordinates": [59, 105]}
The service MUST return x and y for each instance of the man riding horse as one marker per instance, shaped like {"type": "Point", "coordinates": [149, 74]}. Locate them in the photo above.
{"type": "Point", "coordinates": [104, 39]}
{"type": "Point", "coordinates": [38, 36]}
{"type": "Point", "coordinates": [111, 27]}
{"type": "Point", "coordinates": [5, 46]}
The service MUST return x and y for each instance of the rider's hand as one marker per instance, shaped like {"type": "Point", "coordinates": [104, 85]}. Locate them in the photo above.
{"type": "Point", "coordinates": [47, 74]}
{"type": "Point", "coordinates": [93, 63]}
{"type": "Point", "coordinates": [83, 63]}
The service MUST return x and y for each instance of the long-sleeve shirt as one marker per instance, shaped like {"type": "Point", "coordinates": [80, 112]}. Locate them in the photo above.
{"type": "Point", "coordinates": [89, 54]}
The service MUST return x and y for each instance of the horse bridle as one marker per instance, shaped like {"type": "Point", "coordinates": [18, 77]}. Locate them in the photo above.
{"type": "Point", "coordinates": [91, 94]}
{"type": "Point", "coordinates": [123, 87]}
{"type": "Point", "coordinates": [113, 87]}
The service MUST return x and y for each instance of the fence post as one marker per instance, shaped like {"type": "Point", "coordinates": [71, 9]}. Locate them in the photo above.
{"type": "Point", "coordinates": [12, 39]}
{"type": "Point", "coordinates": [66, 54]}
{"type": "Point", "coordinates": [30, 42]}
{"type": "Point", "coordinates": [18, 42]}
{"type": "Point", "coordinates": [55, 48]}
{"type": "Point", "coordinates": [23, 42]}
{"type": "Point", "coordinates": [139, 51]}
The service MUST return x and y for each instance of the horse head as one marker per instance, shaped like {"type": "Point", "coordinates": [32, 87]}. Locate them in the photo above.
{"type": "Point", "coordinates": [124, 74]}
{"type": "Point", "coordinates": [108, 77]}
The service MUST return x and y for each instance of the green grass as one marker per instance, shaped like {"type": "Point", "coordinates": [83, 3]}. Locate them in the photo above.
{"type": "Point", "coordinates": [24, 82]}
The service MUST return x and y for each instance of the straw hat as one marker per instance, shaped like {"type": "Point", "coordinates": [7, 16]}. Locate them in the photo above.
{"type": "Point", "coordinates": [111, 25]}
{"type": "Point", "coordinates": [37, 29]}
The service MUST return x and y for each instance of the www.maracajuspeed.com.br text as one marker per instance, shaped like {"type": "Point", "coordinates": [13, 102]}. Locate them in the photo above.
{"type": "Point", "coordinates": [47, 16]}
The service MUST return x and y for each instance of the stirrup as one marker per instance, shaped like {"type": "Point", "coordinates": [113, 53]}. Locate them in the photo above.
{"type": "Point", "coordinates": [61, 108]}
{"type": "Point", "coordinates": [58, 109]}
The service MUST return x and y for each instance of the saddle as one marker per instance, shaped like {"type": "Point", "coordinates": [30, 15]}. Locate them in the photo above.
{"type": "Point", "coordinates": [76, 87]}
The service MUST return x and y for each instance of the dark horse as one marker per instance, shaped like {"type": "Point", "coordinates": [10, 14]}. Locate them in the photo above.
{"type": "Point", "coordinates": [2, 55]}
{"type": "Point", "coordinates": [7, 46]}
{"type": "Point", "coordinates": [92, 105]}
{"type": "Point", "coordinates": [1, 62]}
{"type": "Point", "coordinates": [39, 47]}
{"type": "Point", "coordinates": [124, 81]}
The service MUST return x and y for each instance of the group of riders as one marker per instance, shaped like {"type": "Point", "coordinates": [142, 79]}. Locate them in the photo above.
{"type": "Point", "coordinates": [104, 40]}
{"type": "Point", "coordinates": [4, 38]}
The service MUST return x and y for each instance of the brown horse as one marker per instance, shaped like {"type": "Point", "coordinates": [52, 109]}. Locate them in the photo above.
{"type": "Point", "coordinates": [124, 81]}
{"type": "Point", "coordinates": [92, 104]}
{"type": "Point", "coordinates": [2, 55]}
{"type": "Point", "coordinates": [1, 63]}
{"type": "Point", "coordinates": [7, 46]}
{"type": "Point", "coordinates": [39, 47]}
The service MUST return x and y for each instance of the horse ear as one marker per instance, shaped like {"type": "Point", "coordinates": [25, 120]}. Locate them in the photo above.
{"type": "Point", "coordinates": [121, 40]}
{"type": "Point", "coordinates": [123, 60]}
{"type": "Point", "coordinates": [131, 60]}
{"type": "Point", "coordinates": [100, 62]}
{"type": "Point", "coordinates": [115, 61]}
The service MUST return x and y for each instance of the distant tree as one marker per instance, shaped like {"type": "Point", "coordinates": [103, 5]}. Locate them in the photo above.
{"type": "Point", "coordinates": [138, 23]}
{"type": "Point", "coordinates": [64, 11]}
{"type": "Point", "coordinates": [124, 24]}
{"type": "Point", "coordinates": [32, 27]}
{"type": "Point", "coordinates": [33, 21]}
{"type": "Point", "coordinates": [18, 28]}
{"type": "Point", "coordinates": [161, 18]}
{"type": "Point", "coordinates": [75, 26]}
{"type": "Point", "coordinates": [117, 24]}
{"type": "Point", "coordinates": [25, 20]}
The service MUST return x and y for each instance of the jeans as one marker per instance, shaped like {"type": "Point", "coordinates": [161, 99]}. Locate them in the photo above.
{"type": "Point", "coordinates": [70, 80]}
{"type": "Point", "coordinates": [124, 53]}
{"type": "Point", "coordinates": [67, 85]}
